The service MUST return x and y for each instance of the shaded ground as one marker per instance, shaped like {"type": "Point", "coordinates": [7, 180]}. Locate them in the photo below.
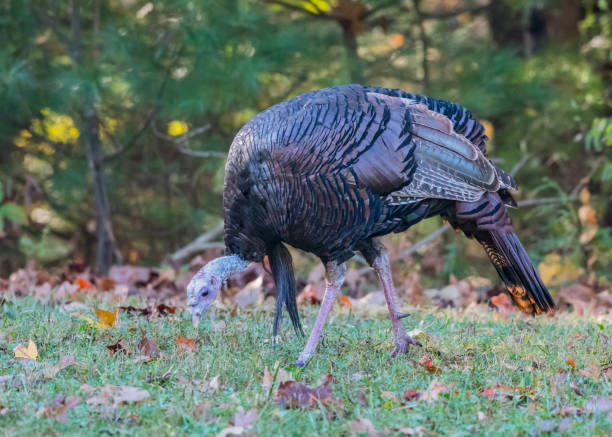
{"type": "Point", "coordinates": [486, 374]}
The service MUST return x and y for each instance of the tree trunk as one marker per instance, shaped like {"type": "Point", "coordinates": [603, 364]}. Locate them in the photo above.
{"type": "Point", "coordinates": [106, 251]}
{"type": "Point", "coordinates": [350, 44]}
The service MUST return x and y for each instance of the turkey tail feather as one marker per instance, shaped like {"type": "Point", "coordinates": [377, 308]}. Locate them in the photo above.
{"type": "Point", "coordinates": [281, 265]}
{"type": "Point", "coordinates": [515, 268]}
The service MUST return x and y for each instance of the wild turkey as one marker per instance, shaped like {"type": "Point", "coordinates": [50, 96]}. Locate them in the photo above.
{"type": "Point", "coordinates": [329, 171]}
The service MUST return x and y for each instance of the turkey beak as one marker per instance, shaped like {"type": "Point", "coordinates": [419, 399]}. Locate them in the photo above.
{"type": "Point", "coordinates": [196, 313]}
{"type": "Point", "coordinates": [195, 318]}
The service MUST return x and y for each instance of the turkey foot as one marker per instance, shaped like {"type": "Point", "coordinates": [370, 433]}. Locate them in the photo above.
{"type": "Point", "coordinates": [376, 255]}
{"type": "Point", "coordinates": [334, 276]}
{"type": "Point", "coordinates": [402, 343]}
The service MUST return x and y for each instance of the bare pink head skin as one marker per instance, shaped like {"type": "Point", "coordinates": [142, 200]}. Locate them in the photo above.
{"type": "Point", "coordinates": [206, 283]}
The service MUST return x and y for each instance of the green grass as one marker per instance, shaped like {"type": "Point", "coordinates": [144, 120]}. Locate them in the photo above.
{"type": "Point", "coordinates": [475, 350]}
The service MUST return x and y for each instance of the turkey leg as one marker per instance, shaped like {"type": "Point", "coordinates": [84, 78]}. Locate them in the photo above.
{"type": "Point", "coordinates": [376, 255]}
{"type": "Point", "coordinates": [334, 278]}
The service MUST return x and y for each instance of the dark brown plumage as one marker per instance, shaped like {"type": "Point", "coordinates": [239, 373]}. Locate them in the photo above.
{"type": "Point", "coordinates": [329, 171]}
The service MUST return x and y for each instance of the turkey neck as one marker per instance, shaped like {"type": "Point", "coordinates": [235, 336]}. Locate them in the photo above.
{"type": "Point", "coordinates": [223, 267]}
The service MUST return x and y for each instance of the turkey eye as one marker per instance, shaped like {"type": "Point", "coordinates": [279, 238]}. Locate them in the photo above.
{"type": "Point", "coordinates": [204, 293]}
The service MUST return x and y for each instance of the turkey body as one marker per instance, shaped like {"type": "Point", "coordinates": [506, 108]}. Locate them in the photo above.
{"type": "Point", "coordinates": [329, 170]}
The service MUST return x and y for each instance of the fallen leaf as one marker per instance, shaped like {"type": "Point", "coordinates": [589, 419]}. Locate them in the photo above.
{"type": "Point", "coordinates": [600, 404]}
{"type": "Point", "coordinates": [84, 283]}
{"type": "Point", "coordinates": [58, 407]}
{"type": "Point", "coordinates": [120, 346]}
{"type": "Point", "coordinates": [570, 362]}
{"type": "Point", "coordinates": [436, 388]}
{"type": "Point", "coordinates": [164, 309]}
{"type": "Point", "coordinates": [245, 419]}
{"type": "Point", "coordinates": [107, 318]}
{"type": "Point", "coordinates": [503, 390]}
{"type": "Point", "coordinates": [105, 283]}
{"type": "Point", "coordinates": [591, 371]}
{"type": "Point", "coordinates": [427, 363]}
{"type": "Point", "coordinates": [147, 347]}
{"type": "Point", "coordinates": [570, 410]}
{"type": "Point", "coordinates": [310, 295]}
{"type": "Point", "coordinates": [184, 343]}
{"type": "Point", "coordinates": [231, 431]}
{"type": "Point", "coordinates": [363, 426]}
{"type": "Point", "coordinates": [281, 375]}
{"type": "Point", "coordinates": [113, 395]}
{"type": "Point", "coordinates": [251, 294]}
{"type": "Point", "coordinates": [64, 361]}
{"type": "Point", "coordinates": [167, 373]}
{"type": "Point", "coordinates": [345, 301]}
{"type": "Point", "coordinates": [360, 397]}
{"type": "Point", "coordinates": [503, 304]}
{"type": "Point", "coordinates": [412, 394]}
{"type": "Point", "coordinates": [418, 334]}
{"type": "Point", "coordinates": [29, 352]}
{"type": "Point", "coordinates": [292, 394]}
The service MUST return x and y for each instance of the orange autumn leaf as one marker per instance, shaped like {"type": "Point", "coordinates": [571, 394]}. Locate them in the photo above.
{"type": "Point", "coordinates": [84, 283]}
{"type": "Point", "coordinates": [427, 363]}
{"type": "Point", "coordinates": [345, 301]}
{"type": "Point", "coordinates": [504, 389]}
{"type": "Point", "coordinates": [107, 318]}
{"type": "Point", "coordinates": [183, 343]}
{"type": "Point", "coordinates": [570, 362]}
{"type": "Point", "coordinates": [29, 352]}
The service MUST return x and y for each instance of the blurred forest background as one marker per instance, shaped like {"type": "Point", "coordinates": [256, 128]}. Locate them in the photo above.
{"type": "Point", "coordinates": [117, 116]}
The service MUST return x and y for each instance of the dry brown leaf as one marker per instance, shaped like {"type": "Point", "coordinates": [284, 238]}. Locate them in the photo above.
{"type": "Point", "coordinates": [251, 294]}
{"type": "Point", "coordinates": [412, 394]}
{"type": "Point", "coordinates": [591, 371]}
{"type": "Point", "coordinates": [293, 394]}
{"type": "Point", "coordinates": [113, 395]}
{"type": "Point", "coordinates": [363, 426]}
{"type": "Point", "coordinates": [29, 352]}
{"type": "Point", "coordinates": [58, 407]}
{"type": "Point", "coordinates": [435, 389]}
{"type": "Point", "coordinates": [570, 410]}
{"type": "Point", "coordinates": [245, 419]}
{"type": "Point", "coordinates": [120, 346]}
{"type": "Point", "coordinates": [184, 343]}
{"type": "Point", "coordinates": [310, 295]}
{"type": "Point", "coordinates": [147, 347]}
{"type": "Point", "coordinates": [64, 361]}
{"type": "Point", "coordinates": [503, 304]}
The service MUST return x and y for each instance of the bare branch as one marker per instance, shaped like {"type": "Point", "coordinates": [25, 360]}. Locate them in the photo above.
{"type": "Point", "coordinates": [181, 142]}
{"type": "Point", "coordinates": [519, 164]}
{"type": "Point", "coordinates": [454, 13]}
{"type": "Point", "coordinates": [200, 243]}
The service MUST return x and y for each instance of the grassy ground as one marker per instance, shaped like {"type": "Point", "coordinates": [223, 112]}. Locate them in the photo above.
{"type": "Point", "coordinates": [475, 350]}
